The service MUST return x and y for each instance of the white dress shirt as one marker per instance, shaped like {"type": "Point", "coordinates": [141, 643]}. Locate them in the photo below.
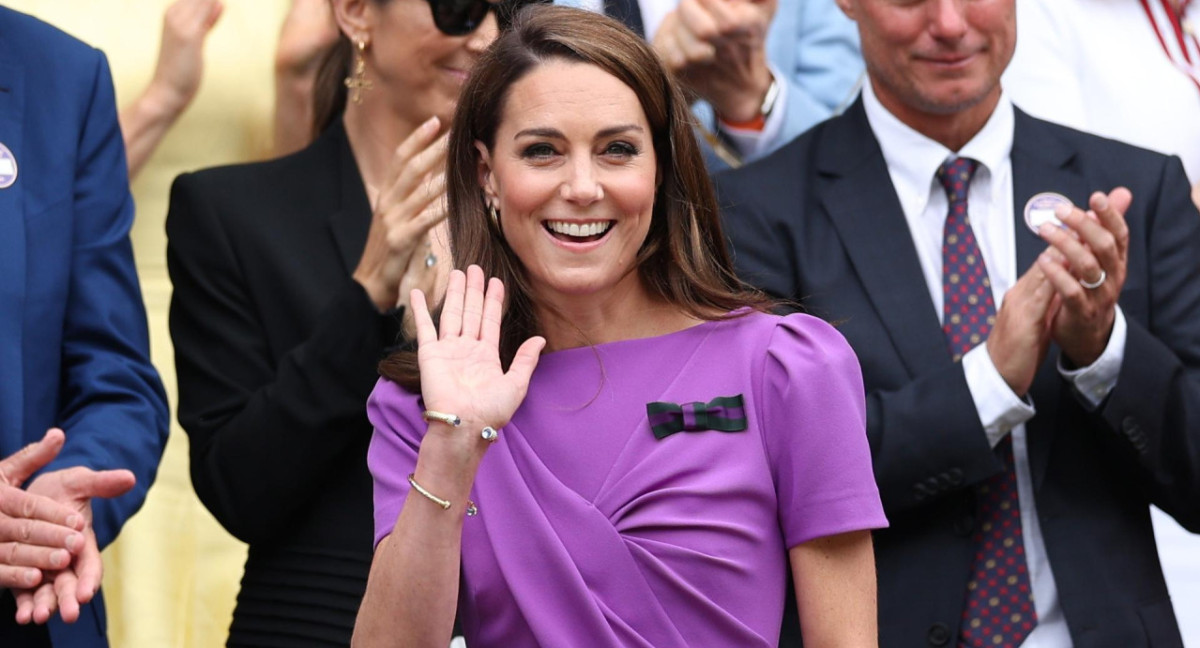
{"type": "Point", "coordinates": [913, 160]}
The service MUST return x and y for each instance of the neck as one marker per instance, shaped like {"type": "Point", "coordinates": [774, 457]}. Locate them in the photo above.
{"type": "Point", "coordinates": [627, 312]}
{"type": "Point", "coordinates": [952, 130]}
{"type": "Point", "coordinates": [374, 133]}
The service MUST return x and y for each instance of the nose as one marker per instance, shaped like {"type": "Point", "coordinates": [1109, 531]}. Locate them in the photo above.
{"type": "Point", "coordinates": [948, 20]}
{"type": "Point", "coordinates": [581, 187]}
{"type": "Point", "coordinates": [479, 40]}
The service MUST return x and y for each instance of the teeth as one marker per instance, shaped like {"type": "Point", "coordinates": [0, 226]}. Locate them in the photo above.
{"type": "Point", "coordinates": [577, 230]}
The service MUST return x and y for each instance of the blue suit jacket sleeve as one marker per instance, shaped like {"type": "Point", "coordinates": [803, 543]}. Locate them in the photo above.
{"type": "Point", "coordinates": [111, 401]}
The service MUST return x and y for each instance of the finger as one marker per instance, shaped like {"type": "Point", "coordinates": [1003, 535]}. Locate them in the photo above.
{"type": "Point", "coordinates": [1110, 211]}
{"type": "Point", "coordinates": [88, 571]}
{"type": "Point", "coordinates": [493, 312]}
{"type": "Point", "coordinates": [24, 599]}
{"type": "Point", "coordinates": [452, 306]}
{"type": "Point", "coordinates": [65, 587]}
{"type": "Point", "coordinates": [526, 360]}
{"type": "Point", "coordinates": [416, 174]}
{"type": "Point", "coordinates": [419, 153]}
{"type": "Point", "coordinates": [1082, 263]}
{"type": "Point", "coordinates": [22, 554]}
{"type": "Point", "coordinates": [215, 9]}
{"type": "Point", "coordinates": [426, 333]}
{"type": "Point", "coordinates": [14, 577]}
{"type": "Point", "coordinates": [85, 482]}
{"type": "Point", "coordinates": [1065, 284]}
{"type": "Point", "coordinates": [15, 469]}
{"type": "Point", "coordinates": [45, 603]}
{"type": "Point", "coordinates": [697, 22]}
{"type": "Point", "coordinates": [16, 503]}
{"type": "Point", "coordinates": [473, 303]}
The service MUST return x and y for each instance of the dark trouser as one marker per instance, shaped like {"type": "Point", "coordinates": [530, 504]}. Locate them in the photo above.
{"type": "Point", "coordinates": [19, 636]}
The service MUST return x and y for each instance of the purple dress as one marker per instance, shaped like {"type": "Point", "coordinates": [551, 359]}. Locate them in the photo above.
{"type": "Point", "coordinates": [594, 532]}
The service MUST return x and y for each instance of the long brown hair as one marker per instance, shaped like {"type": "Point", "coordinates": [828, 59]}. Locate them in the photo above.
{"type": "Point", "coordinates": [683, 261]}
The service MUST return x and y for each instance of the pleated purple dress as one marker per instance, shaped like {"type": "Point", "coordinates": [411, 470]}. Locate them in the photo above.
{"type": "Point", "coordinates": [593, 531]}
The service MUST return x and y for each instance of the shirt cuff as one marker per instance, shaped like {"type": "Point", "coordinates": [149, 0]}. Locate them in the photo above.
{"type": "Point", "coordinates": [752, 144]}
{"type": "Point", "coordinates": [1095, 381]}
{"type": "Point", "coordinates": [1000, 410]}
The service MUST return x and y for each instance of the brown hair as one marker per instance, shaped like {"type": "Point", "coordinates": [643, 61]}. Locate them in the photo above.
{"type": "Point", "coordinates": [683, 261]}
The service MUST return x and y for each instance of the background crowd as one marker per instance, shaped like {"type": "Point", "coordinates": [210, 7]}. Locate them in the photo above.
{"type": "Point", "coordinates": [172, 577]}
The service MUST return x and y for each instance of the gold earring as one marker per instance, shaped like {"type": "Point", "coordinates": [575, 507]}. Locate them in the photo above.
{"type": "Point", "coordinates": [358, 81]}
{"type": "Point", "coordinates": [495, 215]}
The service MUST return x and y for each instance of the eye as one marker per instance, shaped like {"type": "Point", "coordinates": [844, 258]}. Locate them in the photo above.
{"type": "Point", "coordinates": [621, 150]}
{"type": "Point", "coordinates": [538, 151]}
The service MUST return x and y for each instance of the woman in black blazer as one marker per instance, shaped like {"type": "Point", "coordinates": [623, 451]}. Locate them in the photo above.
{"type": "Point", "coordinates": [287, 284]}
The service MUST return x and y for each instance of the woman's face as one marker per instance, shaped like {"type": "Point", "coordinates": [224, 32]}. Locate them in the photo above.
{"type": "Point", "coordinates": [414, 67]}
{"type": "Point", "coordinates": [573, 174]}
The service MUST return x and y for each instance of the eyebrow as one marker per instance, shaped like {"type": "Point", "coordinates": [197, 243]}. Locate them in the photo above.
{"type": "Point", "coordinates": [557, 134]}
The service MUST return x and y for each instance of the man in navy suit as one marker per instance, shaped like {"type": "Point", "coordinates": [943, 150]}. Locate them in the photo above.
{"type": "Point", "coordinates": [1032, 388]}
{"type": "Point", "coordinates": [74, 351]}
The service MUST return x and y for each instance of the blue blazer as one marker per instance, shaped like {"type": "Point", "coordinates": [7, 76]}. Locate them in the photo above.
{"type": "Point", "coordinates": [819, 221]}
{"type": "Point", "coordinates": [74, 348]}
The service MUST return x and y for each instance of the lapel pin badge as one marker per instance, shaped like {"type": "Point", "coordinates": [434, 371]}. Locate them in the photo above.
{"type": "Point", "coordinates": [1040, 210]}
{"type": "Point", "coordinates": [8, 167]}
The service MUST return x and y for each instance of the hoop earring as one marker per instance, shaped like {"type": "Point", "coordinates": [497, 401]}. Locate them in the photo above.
{"type": "Point", "coordinates": [495, 215]}
{"type": "Point", "coordinates": [357, 82]}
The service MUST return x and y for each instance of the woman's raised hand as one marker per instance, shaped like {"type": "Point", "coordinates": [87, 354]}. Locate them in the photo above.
{"type": "Point", "coordinates": [411, 202]}
{"type": "Point", "coordinates": [460, 360]}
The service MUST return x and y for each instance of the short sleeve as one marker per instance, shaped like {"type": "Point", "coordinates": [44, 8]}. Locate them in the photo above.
{"type": "Point", "coordinates": [392, 455]}
{"type": "Point", "coordinates": [814, 428]}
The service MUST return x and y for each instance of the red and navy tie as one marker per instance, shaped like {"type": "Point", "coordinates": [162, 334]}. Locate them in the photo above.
{"type": "Point", "coordinates": [999, 611]}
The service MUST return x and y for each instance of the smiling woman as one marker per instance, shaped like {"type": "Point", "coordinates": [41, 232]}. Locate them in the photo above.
{"type": "Point", "coordinates": [575, 183]}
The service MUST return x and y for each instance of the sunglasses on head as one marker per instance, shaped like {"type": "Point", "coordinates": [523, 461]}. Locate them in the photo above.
{"type": "Point", "coordinates": [461, 17]}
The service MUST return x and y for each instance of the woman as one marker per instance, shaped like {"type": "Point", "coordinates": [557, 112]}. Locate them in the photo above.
{"type": "Point", "coordinates": [675, 448]}
{"type": "Point", "coordinates": [286, 277]}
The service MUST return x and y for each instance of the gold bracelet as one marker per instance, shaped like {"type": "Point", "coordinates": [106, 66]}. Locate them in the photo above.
{"type": "Point", "coordinates": [448, 419]}
{"type": "Point", "coordinates": [445, 504]}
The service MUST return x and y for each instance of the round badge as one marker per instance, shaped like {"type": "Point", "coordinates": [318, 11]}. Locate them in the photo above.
{"type": "Point", "coordinates": [1040, 210]}
{"type": "Point", "coordinates": [8, 167]}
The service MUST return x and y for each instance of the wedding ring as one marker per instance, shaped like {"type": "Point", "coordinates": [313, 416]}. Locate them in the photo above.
{"type": "Point", "coordinates": [489, 434]}
{"type": "Point", "coordinates": [1092, 285]}
{"type": "Point", "coordinates": [430, 259]}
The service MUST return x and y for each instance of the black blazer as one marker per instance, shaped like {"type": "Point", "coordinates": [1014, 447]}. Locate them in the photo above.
{"type": "Point", "coordinates": [820, 222]}
{"type": "Point", "coordinates": [275, 351]}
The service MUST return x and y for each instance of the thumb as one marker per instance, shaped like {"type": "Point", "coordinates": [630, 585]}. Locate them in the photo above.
{"type": "Point", "coordinates": [99, 483]}
{"type": "Point", "coordinates": [526, 360]}
{"type": "Point", "coordinates": [15, 469]}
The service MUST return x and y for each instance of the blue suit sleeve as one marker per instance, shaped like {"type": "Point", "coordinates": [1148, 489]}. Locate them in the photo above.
{"type": "Point", "coordinates": [112, 404]}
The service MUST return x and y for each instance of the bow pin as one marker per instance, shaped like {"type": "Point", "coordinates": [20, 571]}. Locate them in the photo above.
{"type": "Point", "coordinates": [724, 414]}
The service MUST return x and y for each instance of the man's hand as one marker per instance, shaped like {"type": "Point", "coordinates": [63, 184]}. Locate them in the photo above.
{"type": "Point", "coordinates": [77, 583]}
{"type": "Point", "coordinates": [36, 533]}
{"type": "Point", "coordinates": [1093, 248]}
{"type": "Point", "coordinates": [718, 49]}
{"type": "Point", "coordinates": [1018, 342]}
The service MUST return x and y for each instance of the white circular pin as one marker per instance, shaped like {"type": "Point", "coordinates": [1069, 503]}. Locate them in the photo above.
{"type": "Point", "coordinates": [1040, 210]}
{"type": "Point", "coordinates": [8, 167]}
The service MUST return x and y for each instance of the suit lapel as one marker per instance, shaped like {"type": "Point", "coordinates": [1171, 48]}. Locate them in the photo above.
{"type": "Point", "coordinates": [1041, 162]}
{"type": "Point", "coordinates": [874, 233]}
{"type": "Point", "coordinates": [12, 252]}
{"type": "Point", "coordinates": [351, 221]}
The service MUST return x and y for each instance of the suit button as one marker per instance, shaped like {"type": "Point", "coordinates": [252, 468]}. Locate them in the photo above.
{"type": "Point", "coordinates": [956, 476]}
{"type": "Point", "coordinates": [964, 525]}
{"type": "Point", "coordinates": [939, 634]}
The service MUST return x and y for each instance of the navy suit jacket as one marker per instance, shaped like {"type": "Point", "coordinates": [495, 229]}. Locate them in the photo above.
{"type": "Point", "coordinates": [74, 349]}
{"type": "Point", "coordinates": [820, 222]}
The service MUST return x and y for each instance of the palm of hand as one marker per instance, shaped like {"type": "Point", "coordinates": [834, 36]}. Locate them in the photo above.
{"type": "Point", "coordinates": [463, 376]}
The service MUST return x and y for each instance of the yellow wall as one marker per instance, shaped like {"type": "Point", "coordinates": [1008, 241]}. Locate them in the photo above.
{"type": "Point", "coordinates": [171, 578]}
